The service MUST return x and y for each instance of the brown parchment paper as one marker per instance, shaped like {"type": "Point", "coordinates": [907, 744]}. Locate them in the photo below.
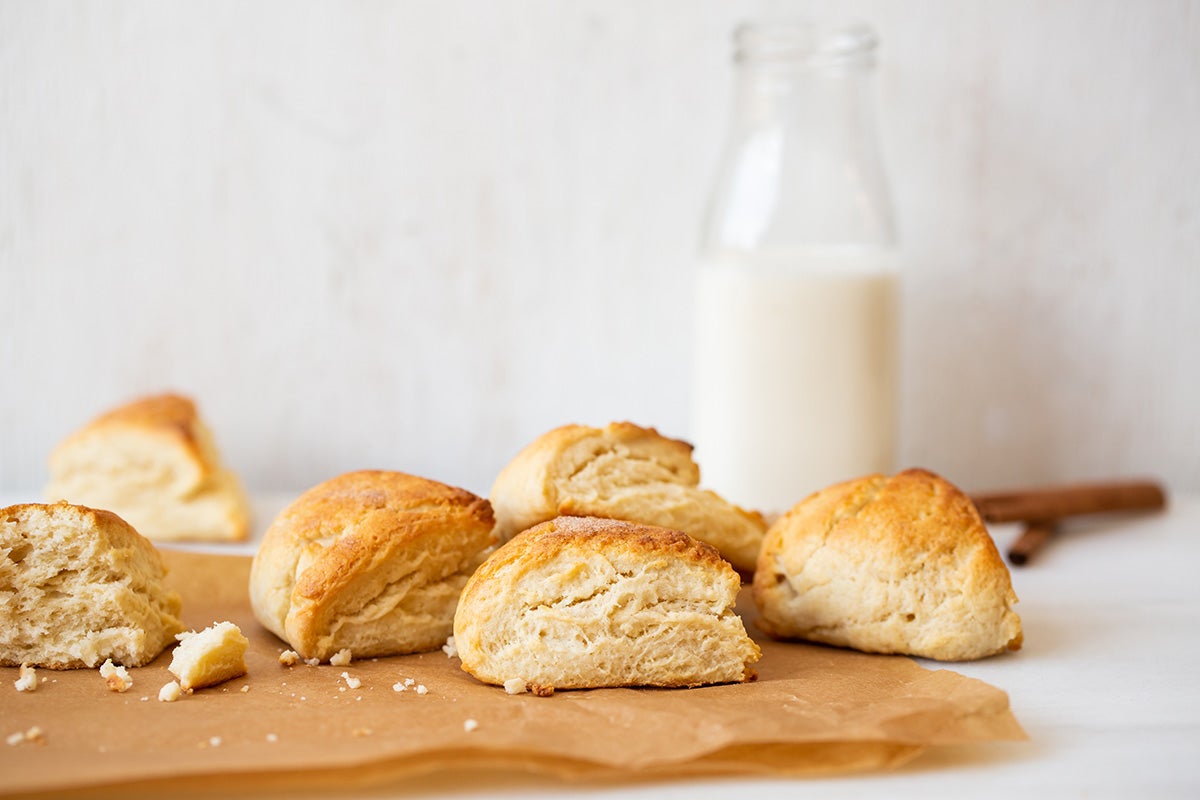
{"type": "Point", "coordinates": [814, 710]}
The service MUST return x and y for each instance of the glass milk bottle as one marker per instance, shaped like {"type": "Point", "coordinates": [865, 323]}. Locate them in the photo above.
{"type": "Point", "coordinates": [794, 381]}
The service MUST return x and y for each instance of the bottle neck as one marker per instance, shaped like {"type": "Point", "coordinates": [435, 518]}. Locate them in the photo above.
{"type": "Point", "coordinates": [828, 109]}
{"type": "Point", "coordinates": [802, 165]}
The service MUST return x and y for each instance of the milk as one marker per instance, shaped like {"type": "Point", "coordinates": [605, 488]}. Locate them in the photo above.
{"type": "Point", "coordinates": [794, 373]}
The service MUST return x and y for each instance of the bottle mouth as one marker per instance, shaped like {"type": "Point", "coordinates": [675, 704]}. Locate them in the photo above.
{"type": "Point", "coordinates": [852, 44]}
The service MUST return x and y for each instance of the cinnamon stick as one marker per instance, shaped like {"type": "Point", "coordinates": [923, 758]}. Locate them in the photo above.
{"type": "Point", "coordinates": [1055, 502]}
{"type": "Point", "coordinates": [1031, 540]}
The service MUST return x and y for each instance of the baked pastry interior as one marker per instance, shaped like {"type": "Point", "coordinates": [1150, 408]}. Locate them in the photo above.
{"type": "Point", "coordinates": [888, 565]}
{"type": "Point", "coordinates": [579, 603]}
{"type": "Point", "coordinates": [79, 586]}
{"type": "Point", "coordinates": [208, 657]}
{"type": "Point", "coordinates": [370, 561]}
{"type": "Point", "coordinates": [621, 471]}
{"type": "Point", "coordinates": [155, 463]}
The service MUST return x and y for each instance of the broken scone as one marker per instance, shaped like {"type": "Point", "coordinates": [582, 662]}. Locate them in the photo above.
{"type": "Point", "coordinates": [211, 656]}
{"type": "Point", "coordinates": [581, 602]}
{"type": "Point", "coordinates": [153, 462]}
{"type": "Point", "coordinates": [370, 561]}
{"type": "Point", "coordinates": [80, 586]}
{"type": "Point", "coordinates": [888, 565]}
{"type": "Point", "coordinates": [621, 471]}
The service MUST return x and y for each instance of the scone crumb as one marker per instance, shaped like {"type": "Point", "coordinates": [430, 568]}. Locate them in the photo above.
{"type": "Point", "coordinates": [341, 658]}
{"type": "Point", "coordinates": [34, 734]}
{"type": "Point", "coordinates": [515, 686]}
{"type": "Point", "coordinates": [115, 678]}
{"type": "Point", "coordinates": [421, 689]}
{"type": "Point", "coordinates": [470, 725]}
{"type": "Point", "coordinates": [27, 682]}
{"type": "Point", "coordinates": [271, 737]}
{"type": "Point", "coordinates": [409, 681]}
{"type": "Point", "coordinates": [214, 741]}
{"type": "Point", "coordinates": [170, 692]}
{"type": "Point", "coordinates": [351, 681]}
{"type": "Point", "coordinates": [313, 662]}
{"type": "Point", "coordinates": [289, 658]}
{"type": "Point", "coordinates": [399, 687]}
{"type": "Point", "coordinates": [449, 648]}
{"type": "Point", "coordinates": [541, 691]}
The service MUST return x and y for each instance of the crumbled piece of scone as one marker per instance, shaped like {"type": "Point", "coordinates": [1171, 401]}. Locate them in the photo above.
{"type": "Point", "coordinates": [170, 692]}
{"type": "Point", "coordinates": [214, 741]}
{"type": "Point", "coordinates": [34, 734]}
{"type": "Point", "coordinates": [515, 686]}
{"type": "Point", "coordinates": [541, 691]}
{"type": "Point", "coordinates": [449, 648]}
{"type": "Point", "coordinates": [351, 681]}
{"type": "Point", "coordinates": [271, 737]}
{"type": "Point", "coordinates": [289, 658]}
{"type": "Point", "coordinates": [212, 656]}
{"type": "Point", "coordinates": [470, 725]}
{"type": "Point", "coordinates": [245, 689]}
{"type": "Point", "coordinates": [27, 682]}
{"type": "Point", "coordinates": [421, 688]}
{"type": "Point", "coordinates": [399, 687]}
{"type": "Point", "coordinates": [341, 658]}
{"type": "Point", "coordinates": [313, 662]}
{"type": "Point", "coordinates": [115, 678]}
{"type": "Point", "coordinates": [409, 681]}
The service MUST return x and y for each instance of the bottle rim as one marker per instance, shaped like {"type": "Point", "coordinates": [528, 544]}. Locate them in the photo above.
{"type": "Point", "coordinates": [806, 43]}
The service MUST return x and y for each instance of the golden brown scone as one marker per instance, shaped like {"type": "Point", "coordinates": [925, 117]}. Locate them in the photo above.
{"type": "Point", "coordinates": [888, 565]}
{"type": "Point", "coordinates": [153, 462]}
{"type": "Point", "coordinates": [79, 586]}
{"type": "Point", "coordinates": [580, 602]}
{"type": "Point", "coordinates": [621, 471]}
{"type": "Point", "coordinates": [369, 561]}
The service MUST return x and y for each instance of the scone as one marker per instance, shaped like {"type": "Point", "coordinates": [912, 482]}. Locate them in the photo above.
{"type": "Point", "coordinates": [79, 586]}
{"type": "Point", "coordinates": [370, 561]}
{"type": "Point", "coordinates": [579, 603]}
{"type": "Point", "coordinates": [155, 464]}
{"type": "Point", "coordinates": [888, 565]}
{"type": "Point", "coordinates": [621, 471]}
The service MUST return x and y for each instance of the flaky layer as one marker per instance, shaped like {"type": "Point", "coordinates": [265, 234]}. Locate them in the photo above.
{"type": "Point", "coordinates": [583, 603]}
{"type": "Point", "coordinates": [888, 565]}
{"type": "Point", "coordinates": [621, 471]}
{"type": "Point", "coordinates": [371, 561]}
{"type": "Point", "coordinates": [79, 586]}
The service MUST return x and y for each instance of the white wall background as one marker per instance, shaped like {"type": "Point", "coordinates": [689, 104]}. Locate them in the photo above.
{"type": "Point", "coordinates": [414, 235]}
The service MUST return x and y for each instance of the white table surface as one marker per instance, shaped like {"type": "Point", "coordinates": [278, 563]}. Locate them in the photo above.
{"type": "Point", "coordinates": [1107, 685]}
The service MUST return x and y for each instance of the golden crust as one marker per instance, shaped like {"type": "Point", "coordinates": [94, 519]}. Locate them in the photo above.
{"type": "Point", "coordinates": [895, 565]}
{"type": "Point", "coordinates": [359, 554]}
{"type": "Point", "coordinates": [622, 471]}
{"type": "Point", "coordinates": [171, 415]}
{"type": "Point", "coordinates": [543, 543]}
